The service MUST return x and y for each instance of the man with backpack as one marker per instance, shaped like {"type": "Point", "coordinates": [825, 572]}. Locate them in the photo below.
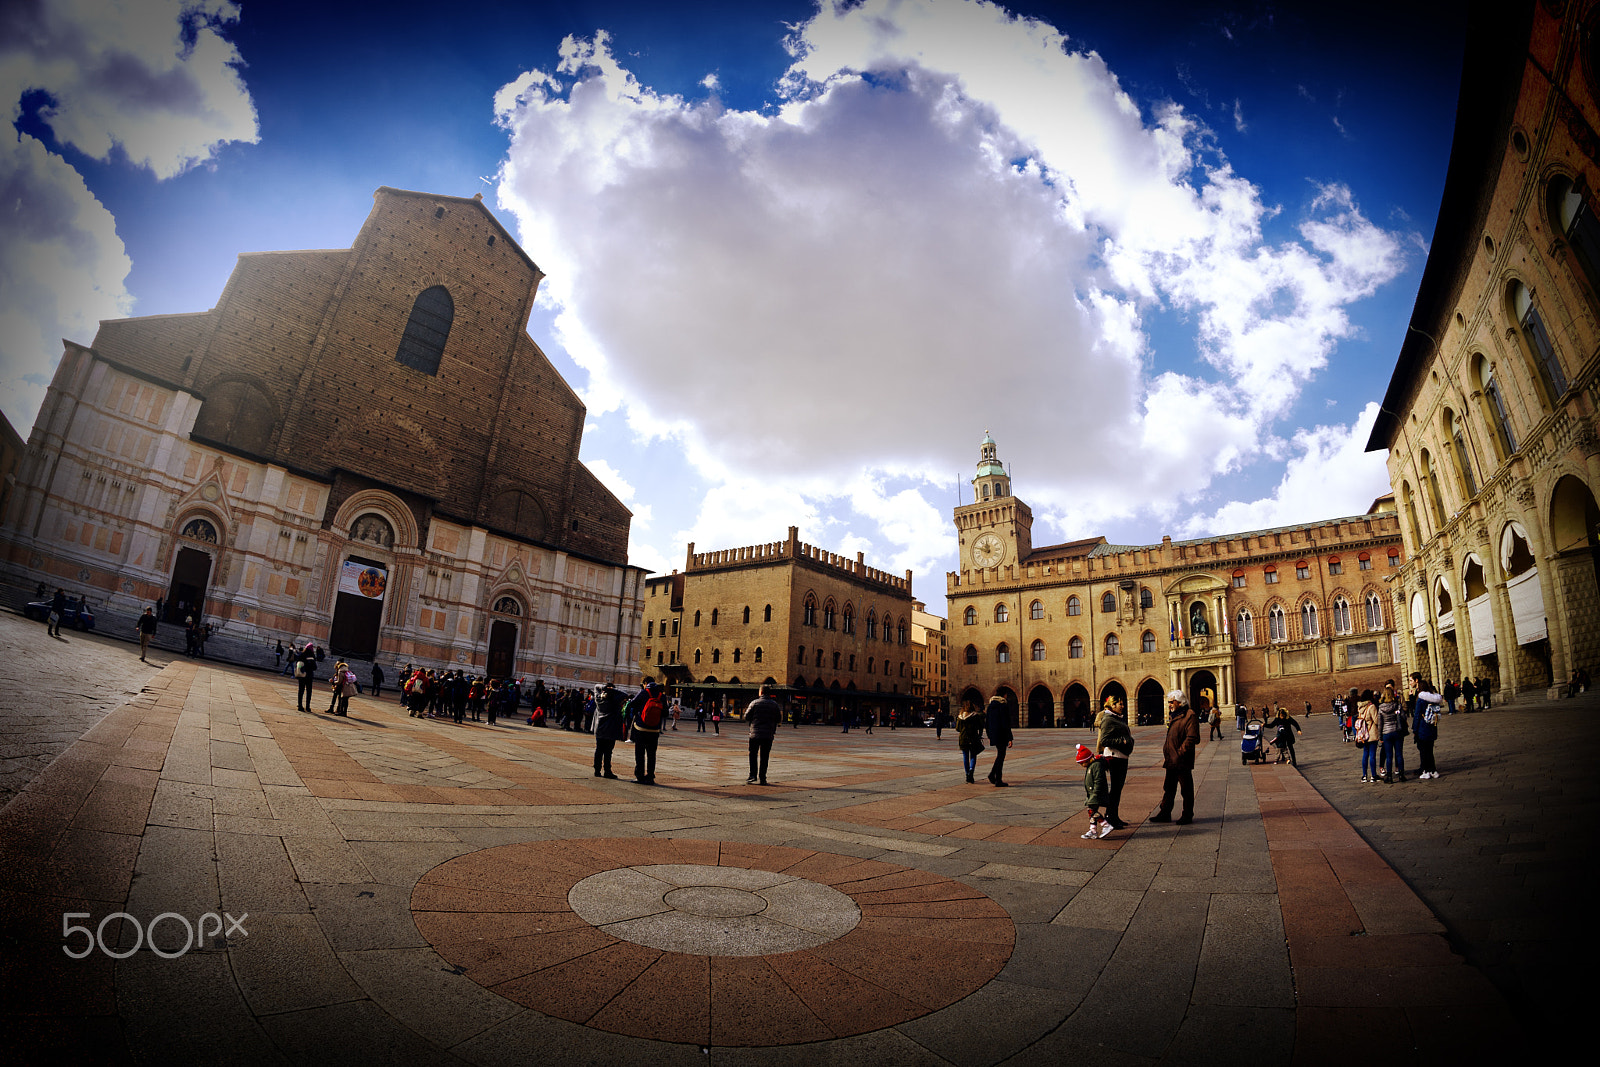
{"type": "Point", "coordinates": [645, 713]}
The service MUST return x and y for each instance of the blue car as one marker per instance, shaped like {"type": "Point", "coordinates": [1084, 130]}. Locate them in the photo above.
{"type": "Point", "coordinates": [76, 614]}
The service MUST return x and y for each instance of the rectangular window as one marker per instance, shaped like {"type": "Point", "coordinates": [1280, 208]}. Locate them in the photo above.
{"type": "Point", "coordinates": [650, 629]}
{"type": "Point", "coordinates": [1335, 567]}
{"type": "Point", "coordinates": [1394, 561]}
{"type": "Point", "coordinates": [1272, 577]}
{"type": "Point", "coordinates": [1366, 564]}
{"type": "Point", "coordinates": [1302, 572]}
{"type": "Point", "coordinates": [1238, 581]}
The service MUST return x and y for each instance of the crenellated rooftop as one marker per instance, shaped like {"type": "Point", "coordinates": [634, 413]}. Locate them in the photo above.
{"type": "Point", "coordinates": [794, 549]}
{"type": "Point", "coordinates": [1095, 559]}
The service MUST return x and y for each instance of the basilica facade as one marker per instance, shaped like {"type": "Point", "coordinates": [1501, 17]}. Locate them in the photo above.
{"type": "Point", "coordinates": [1290, 615]}
{"type": "Point", "coordinates": [361, 447]}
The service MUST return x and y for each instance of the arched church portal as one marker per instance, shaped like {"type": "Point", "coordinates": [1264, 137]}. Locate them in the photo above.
{"type": "Point", "coordinates": [358, 607]}
{"type": "Point", "coordinates": [191, 574]}
{"type": "Point", "coordinates": [502, 648]}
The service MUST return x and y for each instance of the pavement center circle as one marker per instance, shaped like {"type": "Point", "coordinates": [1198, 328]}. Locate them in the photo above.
{"type": "Point", "coordinates": [713, 910]}
{"type": "Point", "coordinates": [761, 944]}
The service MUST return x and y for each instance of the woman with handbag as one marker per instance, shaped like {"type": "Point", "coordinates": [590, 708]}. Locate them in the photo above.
{"type": "Point", "coordinates": [1392, 719]}
{"type": "Point", "coordinates": [1368, 733]}
{"type": "Point", "coordinates": [969, 735]}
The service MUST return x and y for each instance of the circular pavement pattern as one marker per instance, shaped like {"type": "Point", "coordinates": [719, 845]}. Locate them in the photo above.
{"type": "Point", "coordinates": [713, 911]}
{"type": "Point", "coordinates": [784, 945]}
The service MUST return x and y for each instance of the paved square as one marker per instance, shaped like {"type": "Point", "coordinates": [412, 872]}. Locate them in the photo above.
{"type": "Point", "coordinates": [383, 888]}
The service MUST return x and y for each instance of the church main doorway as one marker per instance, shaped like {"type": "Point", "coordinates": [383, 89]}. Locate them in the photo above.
{"type": "Point", "coordinates": [502, 648]}
{"type": "Point", "coordinates": [358, 608]}
{"type": "Point", "coordinates": [191, 572]}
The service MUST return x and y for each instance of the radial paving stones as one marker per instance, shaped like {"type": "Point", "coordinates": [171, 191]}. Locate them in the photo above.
{"type": "Point", "coordinates": [658, 907]}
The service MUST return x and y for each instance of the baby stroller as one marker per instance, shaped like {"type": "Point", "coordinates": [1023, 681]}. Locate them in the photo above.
{"type": "Point", "coordinates": [1252, 747]}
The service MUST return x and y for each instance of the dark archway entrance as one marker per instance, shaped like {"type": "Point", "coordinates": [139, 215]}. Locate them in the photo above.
{"type": "Point", "coordinates": [1041, 707]}
{"type": "Point", "coordinates": [502, 648]}
{"type": "Point", "coordinates": [1152, 704]}
{"type": "Point", "coordinates": [973, 697]}
{"type": "Point", "coordinates": [1009, 695]}
{"type": "Point", "coordinates": [1075, 707]}
{"type": "Point", "coordinates": [191, 571]}
{"type": "Point", "coordinates": [1112, 689]}
{"type": "Point", "coordinates": [1202, 691]}
{"type": "Point", "coordinates": [358, 608]}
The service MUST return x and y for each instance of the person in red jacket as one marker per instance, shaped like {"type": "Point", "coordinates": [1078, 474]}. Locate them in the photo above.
{"type": "Point", "coordinates": [1177, 756]}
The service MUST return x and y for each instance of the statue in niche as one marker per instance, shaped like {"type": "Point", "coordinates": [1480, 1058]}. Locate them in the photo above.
{"type": "Point", "coordinates": [1197, 620]}
{"type": "Point", "coordinates": [374, 529]}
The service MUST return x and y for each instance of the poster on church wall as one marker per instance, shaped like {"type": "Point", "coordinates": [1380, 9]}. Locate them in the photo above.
{"type": "Point", "coordinates": [363, 580]}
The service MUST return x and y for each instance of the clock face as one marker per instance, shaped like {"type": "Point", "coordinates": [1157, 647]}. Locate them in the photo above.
{"type": "Point", "coordinates": [988, 550]}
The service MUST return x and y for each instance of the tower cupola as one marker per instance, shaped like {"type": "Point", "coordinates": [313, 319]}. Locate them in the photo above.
{"type": "Point", "coordinates": [991, 482]}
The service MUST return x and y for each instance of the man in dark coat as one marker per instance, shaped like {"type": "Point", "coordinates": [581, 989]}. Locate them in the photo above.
{"type": "Point", "coordinates": [305, 673]}
{"type": "Point", "coordinates": [763, 715]}
{"type": "Point", "coordinates": [610, 726]}
{"type": "Point", "coordinates": [1177, 756]}
{"type": "Point", "coordinates": [997, 724]}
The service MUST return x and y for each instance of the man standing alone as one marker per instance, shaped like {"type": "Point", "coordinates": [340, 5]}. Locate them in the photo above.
{"type": "Point", "coordinates": [998, 726]}
{"type": "Point", "coordinates": [1177, 756]}
{"type": "Point", "coordinates": [147, 630]}
{"type": "Point", "coordinates": [763, 715]}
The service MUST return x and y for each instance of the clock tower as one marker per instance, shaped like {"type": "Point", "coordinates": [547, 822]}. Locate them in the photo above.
{"type": "Point", "coordinates": [996, 529]}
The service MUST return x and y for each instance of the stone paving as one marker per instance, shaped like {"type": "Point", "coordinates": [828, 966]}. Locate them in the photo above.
{"type": "Point", "coordinates": [389, 889]}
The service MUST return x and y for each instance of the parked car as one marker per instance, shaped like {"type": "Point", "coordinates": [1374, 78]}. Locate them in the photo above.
{"type": "Point", "coordinates": [76, 614]}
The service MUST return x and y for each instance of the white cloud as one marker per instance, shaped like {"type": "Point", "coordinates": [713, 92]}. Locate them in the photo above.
{"type": "Point", "coordinates": [953, 222]}
{"type": "Point", "coordinates": [1331, 476]}
{"type": "Point", "coordinates": [153, 77]}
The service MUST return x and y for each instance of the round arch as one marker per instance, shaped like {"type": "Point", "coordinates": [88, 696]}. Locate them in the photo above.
{"type": "Point", "coordinates": [1112, 688]}
{"type": "Point", "coordinates": [1075, 707]}
{"type": "Point", "coordinates": [1151, 703]}
{"type": "Point", "coordinates": [1009, 695]}
{"type": "Point", "coordinates": [1041, 706]}
{"type": "Point", "coordinates": [387, 506]}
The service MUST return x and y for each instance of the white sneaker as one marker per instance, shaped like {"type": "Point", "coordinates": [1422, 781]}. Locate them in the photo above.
{"type": "Point", "coordinates": [1090, 834]}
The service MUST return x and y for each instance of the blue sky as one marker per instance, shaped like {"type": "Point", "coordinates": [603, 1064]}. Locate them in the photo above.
{"type": "Point", "coordinates": [801, 258]}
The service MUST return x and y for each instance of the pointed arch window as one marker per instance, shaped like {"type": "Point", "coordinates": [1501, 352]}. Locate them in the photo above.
{"type": "Point", "coordinates": [1147, 643]}
{"type": "Point", "coordinates": [1075, 648]}
{"type": "Point", "coordinates": [828, 620]}
{"type": "Point", "coordinates": [697, 617]}
{"type": "Point", "coordinates": [1308, 620]}
{"type": "Point", "coordinates": [1494, 405]}
{"type": "Point", "coordinates": [1244, 628]}
{"type": "Point", "coordinates": [1374, 612]}
{"type": "Point", "coordinates": [1000, 612]}
{"type": "Point", "coordinates": [968, 618]}
{"type": "Point", "coordinates": [1341, 615]}
{"type": "Point", "coordinates": [1146, 598]}
{"type": "Point", "coordinates": [1113, 646]}
{"type": "Point", "coordinates": [808, 614]}
{"type": "Point", "coordinates": [849, 619]}
{"type": "Point", "coordinates": [715, 612]}
{"type": "Point", "coordinates": [1430, 489]}
{"type": "Point", "coordinates": [1036, 610]}
{"type": "Point", "coordinates": [1540, 347]}
{"type": "Point", "coordinates": [1570, 212]}
{"type": "Point", "coordinates": [1108, 602]}
{"type": "Point", "coordinates": [1458, 440]}
{"type": "Point", "coordinates": [1074, 606]}
{"type": "Point", "coordinates": [716, 655]}
{"type": "Point", "coordinates": [736, 654]}
{"type": "Point", "coordinates": [747, 614]}
{"type": "Point", "coordinates": [1036, 651]}
{"type": "Point", "coordinates": [1002, 654]}
{"type": "Point", "coordinates": [422, 343]}
{"type": "Point", "coordinates": [697, 657]}
{"type": "Point", "coordinates": [1277, 625]}
{"type": "Point", "coordinates": [972, 654]}
{"type": "Point", "coordinates": [767, 615]}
